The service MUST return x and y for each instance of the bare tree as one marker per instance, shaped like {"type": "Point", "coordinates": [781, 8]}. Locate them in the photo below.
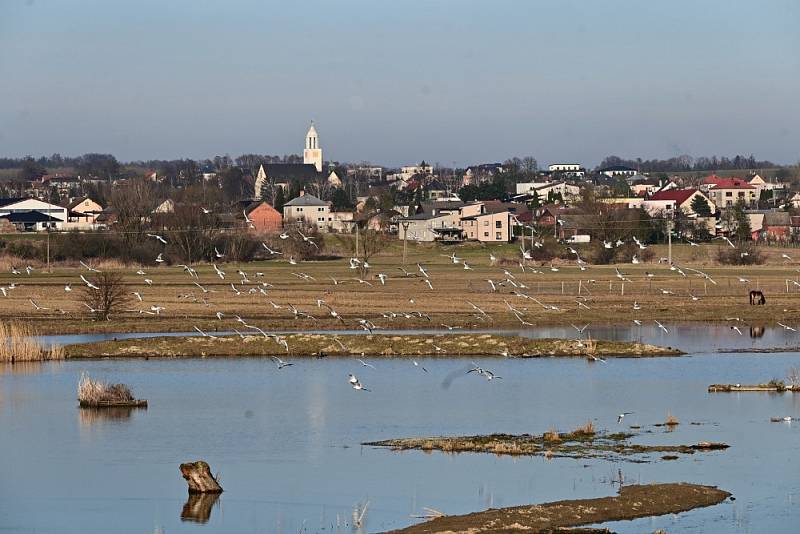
{"type": "Point", "coordinates": [134, 204]}
{"type": "Point", "coordinates": [109, 297]}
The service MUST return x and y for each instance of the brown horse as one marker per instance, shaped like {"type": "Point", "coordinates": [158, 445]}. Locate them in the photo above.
{"type": "Point", "coordinates": [757, 298]}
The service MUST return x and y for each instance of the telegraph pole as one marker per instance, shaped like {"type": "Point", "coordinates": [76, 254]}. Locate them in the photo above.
{"type": "Point", "coordinates": [405, 240]}
{"type": "Point", "coordinates": [669, 240]}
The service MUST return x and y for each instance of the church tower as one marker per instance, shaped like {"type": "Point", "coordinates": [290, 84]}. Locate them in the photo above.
{"type": "Point", "coordinates": [313, 153]}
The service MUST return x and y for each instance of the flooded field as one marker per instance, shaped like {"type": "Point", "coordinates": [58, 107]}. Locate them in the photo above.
{"type": "Point", "coordinates": [287, 443]}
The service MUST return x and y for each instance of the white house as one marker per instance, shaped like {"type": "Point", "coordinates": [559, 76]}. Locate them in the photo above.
{"type": "Point", "coordinates": [33, 214]}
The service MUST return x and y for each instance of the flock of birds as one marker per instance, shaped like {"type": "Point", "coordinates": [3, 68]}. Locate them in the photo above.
{"type": "Point", "coordinates": [514, 285]}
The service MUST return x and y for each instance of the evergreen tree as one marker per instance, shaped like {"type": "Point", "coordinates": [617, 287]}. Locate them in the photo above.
{"type": "Point", "coordinates": [742, 222]}
{"type": "Point", "coordinates": [700, 206]}
{"type": "Point", "coordinates": [341, 200]}
{"type": "Point", "coordinates": [280, 200]}
{"type": "Point", "coordinates": [535, 202]}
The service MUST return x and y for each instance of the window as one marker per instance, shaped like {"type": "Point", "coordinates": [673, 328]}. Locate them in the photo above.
{"type": "Point", "coordinates": [498, 235]}
{"type": "Point", "coordinates": [320, 209]}
{"type": "Point", "coordinates": [485, 234]}
{"type": "Point", "coordinates": [728, 194]}
{"type": "Point", "coordinates": [486, 223]}
{"type": "Point", "coordinates": [299, 209]}
{"type": "Point", "coordinates": [498, 224]}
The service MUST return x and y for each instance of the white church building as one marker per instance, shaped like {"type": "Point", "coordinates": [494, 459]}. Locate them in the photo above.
{"type": "Point", "coordinates": [280, 174]}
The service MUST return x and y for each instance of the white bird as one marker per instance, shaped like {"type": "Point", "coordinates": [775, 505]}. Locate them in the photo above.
{"type": "Point", "coordinates": [88, 283]}
{"type": "Point", "coordinates": [141, 272]}
{"type": "Point", "coordinates": [307, 239]}
{"type": "Point", "coordinates": [148, 281]}
{"type": "Point", "coordinates": [635, 259]}
{"type": "Point", "coordinates": [382, 278]}
{"type": "Point", "coordinates": [786, 327]}
{"type": "Point", "coordinates": [418, 365]}
{"type": "Point", "coordinates": [156, 309]}
{"type": "Point", "coordinates": [607, 244]}
{"type": "Point", "coordinates": [157, 237]}
{"type": "Point", "coordinates": [218, 254]}
{"type": "Point", "coordinates": [786, 257]}
{"type": "Point", "coordinates": [423, 271]}
{"type": "Point", "coordinates": [36, 306]}
{"type": "Point", "coordinates": [621, 416]}
{"type": "Point", "coordinates": [28, 270]}
{"type": "Point", "coordinates": [356, 384]}
{"type": "Point", "coordinates": [292, 261]}
{"type": "Point", "coordinates": [280, 363]}
{"type": "Point", "coordinates": [137, 295]}
{"type": "Point", "coordinates": [271, 251]}
{"type": "Point", "coordinates": [247, 219]}
{"type": "Point", "coordinates": [662, 327]}
{"type": "Point", "coordinates": [736, 328]}
{"type": "Point", "coordinates": [204, 334]}
{"type": "Point", "coordinates": [429, 283]}
{"type": "Point", "coordinates": [692, 243]}
{"type": "Point", "coordinates": [219, 272]}
{"type": "Point", "coordinates": [92, 269]}
{"type": "Point", "coordinates": [637, 322]}
{"type": "Point", "coordinates": [68, 288]}
{"type": "Point", "coordinates": [365, 364]}
{"type": "Point", "coordinates": [160, 258]}
{"type": "Point", "coordinates": [284, 235]}
{"type": "Point", "coordinates": [636, 306]}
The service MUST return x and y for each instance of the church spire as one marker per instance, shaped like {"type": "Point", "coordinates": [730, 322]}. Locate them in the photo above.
{"type": "Point", "coordinates": [312, 154]}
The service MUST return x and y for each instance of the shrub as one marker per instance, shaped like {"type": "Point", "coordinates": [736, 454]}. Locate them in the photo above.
{"type": "Point", "coordinates": [744, 254]}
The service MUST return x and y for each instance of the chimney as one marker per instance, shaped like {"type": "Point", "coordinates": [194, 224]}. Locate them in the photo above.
{"type": "Point", "coordinates": [302, 192]}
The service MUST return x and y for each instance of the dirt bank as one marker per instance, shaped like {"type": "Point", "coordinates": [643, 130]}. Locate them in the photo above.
{"type": "Point", "coordinates": [372, 345]}
{"type": "Point", "coordinates": [632, 502]}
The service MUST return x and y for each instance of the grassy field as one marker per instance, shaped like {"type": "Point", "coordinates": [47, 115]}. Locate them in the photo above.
{"type": "Point", "coordinates": [565, 296]}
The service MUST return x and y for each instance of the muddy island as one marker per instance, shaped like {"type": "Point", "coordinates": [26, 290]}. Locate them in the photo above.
{"type": "Point", "coordinates": [632, 502]}
{"type": "Point", "coordinates": [320, 345]}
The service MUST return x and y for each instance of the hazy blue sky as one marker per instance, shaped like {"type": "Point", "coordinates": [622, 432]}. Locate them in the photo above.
{"type": "Point", "coordinates": [395, 82]}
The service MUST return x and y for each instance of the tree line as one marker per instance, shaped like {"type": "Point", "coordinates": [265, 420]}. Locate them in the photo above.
{"type": "Point", "coordinates": [687, 163]}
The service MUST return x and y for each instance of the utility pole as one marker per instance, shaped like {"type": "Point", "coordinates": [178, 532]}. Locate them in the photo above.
{"type": "Point", "coordinates": [669, 240]}
{"type": "Point", "coordinates": [357, 232]}
{"type": "Point", "coordinates": [48, 248]}
{"type": "Point", "coordinates": [405, 240]}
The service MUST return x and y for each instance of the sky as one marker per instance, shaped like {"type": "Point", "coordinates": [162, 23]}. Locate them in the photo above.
{"type": "Point", "coordinates": [449, 81]}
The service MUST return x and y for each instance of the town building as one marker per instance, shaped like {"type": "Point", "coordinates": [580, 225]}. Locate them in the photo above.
{"type": "Point", "coordinates": [617, 170]}
{"type": "Point", "coordinates": [281, 174]}
{"type": "Point", "coordinates": [726, 192]}
{"type": "Point", "coordinates": [263, 217]}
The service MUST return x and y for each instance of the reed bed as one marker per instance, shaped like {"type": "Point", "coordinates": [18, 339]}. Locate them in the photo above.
{"type": "Point", "coordinates": [96, 391]}
{"type": "Point", "coordinates": [18, 343]}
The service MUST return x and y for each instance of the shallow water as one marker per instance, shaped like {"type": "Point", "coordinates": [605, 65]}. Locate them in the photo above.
{"type": "Point", "coordinates": [287, 442]}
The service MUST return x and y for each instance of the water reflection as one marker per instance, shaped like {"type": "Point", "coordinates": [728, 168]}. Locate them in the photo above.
{"type": "Point", "coordinates": [89, 416]}
{"type": "Point", "coordinates": [197, 508]}
{"type": "Point", "coordinates": [756, 331]}
{"type": "Point", "coordinates": [25, 368]}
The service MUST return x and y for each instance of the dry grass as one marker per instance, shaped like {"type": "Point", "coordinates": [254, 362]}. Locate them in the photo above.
{"type": "Point", "coordinates": [671, 420]}
{"type": "Point", "coordinates": [18, 344]}
{"type": "Point", "coordinates": [552, 436]}
{"type": "Point", "coordinates": [95, 391]}
{"type": "Point", "coordinates": [605, 300]}
{"type": "Point", "coordinates": [585, 430]}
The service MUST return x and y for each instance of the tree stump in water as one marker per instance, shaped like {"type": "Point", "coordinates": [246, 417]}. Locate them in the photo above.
{"type": "Point", "coordinates": [198, 476]}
